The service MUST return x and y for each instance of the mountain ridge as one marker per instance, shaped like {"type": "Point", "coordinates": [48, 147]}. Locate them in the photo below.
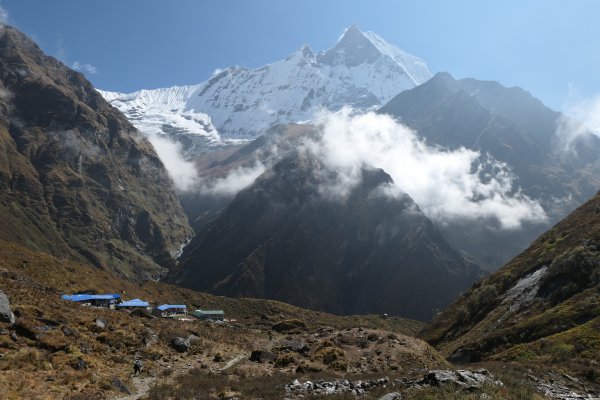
{"type": "Point", "coordinates": [361, 70]}
{"type": "Point", "coordinates": [77, 178]}
{"type": "Point", "coordinates": [543, 306]}
{"type": "Point", "coordinates": [283, 238]}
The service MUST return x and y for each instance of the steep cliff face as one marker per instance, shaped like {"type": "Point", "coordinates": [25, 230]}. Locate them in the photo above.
{"type": "Point", "coordinates": [282, 238]}
{"type": "Point", "coordinates": [76, 178]}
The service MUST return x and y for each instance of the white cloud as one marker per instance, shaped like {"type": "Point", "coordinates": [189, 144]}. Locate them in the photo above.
{"type": "Point", "coordinates": [447, 185]}
{"type": "Point", "coordinates": [3, 16]}
{"type": "Point", "coordinates": [89, 68]}
{"type": "Point", "coordinates": [581, 117]}
{"type": "Point", "coordinates": [182, 172]}
{"type": "Point", "coordinates": [217, 71]}
{"type": "Point", "coordinates": [234, 181]}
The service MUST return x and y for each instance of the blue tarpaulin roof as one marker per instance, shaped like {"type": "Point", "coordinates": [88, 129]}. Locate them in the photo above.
{"type": "Point", "coordinates": [164, 307]}
{"type": "Point", "coordinates": [86, 297]}
{"type": "Point", "coordinates": [133, 303]}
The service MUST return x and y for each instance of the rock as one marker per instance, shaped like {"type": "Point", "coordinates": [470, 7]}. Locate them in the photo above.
{"type": "Point", "coordinates": [262, 356]}
{"type": "Point", "coordinates": [6, 314]}
{"type": "Point", "coordinates": [66, 331]}
{"type": "Point", "coordinates": [296, 345]}
{"type": "Point", "coordinates": [469, 380]}
{"type": "Point", "coordinates": [80, 364]}
{"type": "Point", "coordinates": [180, 344]}
{"type": "Point", "coordinates": [391, 396]}
{"type": "Point", "coordinates": [218, 358]}
{"type": "Point", "coordinates": [120, 386]}
{"type": "Point", "coordinates": [100, 323]}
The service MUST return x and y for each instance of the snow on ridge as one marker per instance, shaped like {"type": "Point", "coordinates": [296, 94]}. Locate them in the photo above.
{"type": "Point", "coordinates": [240, 103]}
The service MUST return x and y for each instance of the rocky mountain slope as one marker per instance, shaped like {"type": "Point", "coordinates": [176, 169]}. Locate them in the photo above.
{"type": "Point", "coordinates": [282, 238]}
{"type": "Point", "coordinates": [542, 307]}
{"type": "Point", "coordinates": [76, 178]}
{"type": "Point", "coordinates": [361, 71]}
{"type": "Point", "coordinates": [515, 128]}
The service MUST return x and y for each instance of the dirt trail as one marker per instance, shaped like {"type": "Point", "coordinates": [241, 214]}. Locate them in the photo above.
{"type": "Point", "coordinates": [142, 387]}
{"type": "Point", "coordinates": [234, 361]}
{"type": "Point", "coordinates": [142, 384]}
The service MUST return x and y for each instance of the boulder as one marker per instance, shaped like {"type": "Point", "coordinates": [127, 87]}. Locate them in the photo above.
{"type": "Point", "coordinates": [470, 380]}
{"type": "Point", "coordinates": [180, 344]}
{"type": "Point", "coordinates": [391, 396]}
{"type": "Point", "coordinates": [100, 323]}
{"type": "Point", "coordinates": [295, 345]}
{"type": "Point", "coordinates": [6, 314]}
{"type": "Point", "coordinates": [262, 356]}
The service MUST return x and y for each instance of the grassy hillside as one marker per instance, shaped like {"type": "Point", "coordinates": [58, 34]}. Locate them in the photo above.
{"type": "Point", "coordinates": [543, 306]}
{"type": "Point", "coordinates": [42, 353]}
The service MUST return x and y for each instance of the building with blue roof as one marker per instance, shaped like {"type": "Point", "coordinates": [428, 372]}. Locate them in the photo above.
{"type": "Point", "coordinates": [166, 310]}
{"type": "Point", "coordinates": [96, 300]}
{"type": "Point", "coordinates": [134, 304]}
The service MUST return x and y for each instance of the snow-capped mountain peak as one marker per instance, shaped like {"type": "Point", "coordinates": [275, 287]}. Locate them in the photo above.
{"type": "Point", "coordinates": [362, 71]}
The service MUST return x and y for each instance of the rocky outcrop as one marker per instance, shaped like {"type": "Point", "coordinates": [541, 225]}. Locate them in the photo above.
{"type": "Point", "coordinates": [76, 178]}
{"type": "Point", "coordinates": [6, 314]}
{"type": "Point", "coordinates": [470, 381]}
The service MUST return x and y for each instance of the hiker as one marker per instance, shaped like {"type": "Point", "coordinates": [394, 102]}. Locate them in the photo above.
{"type": "Point", "coordinates": [138, 365]}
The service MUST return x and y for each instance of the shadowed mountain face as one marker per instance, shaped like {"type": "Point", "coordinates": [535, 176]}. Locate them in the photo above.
{"type": "Point", "coordinates": [76, 178]}
{"type": "Point", "coordinates": [542, 306]}
{"type": "Point", "coordinates": [513, 127]}
{"type": "Point", "coordinates": [282, 238]}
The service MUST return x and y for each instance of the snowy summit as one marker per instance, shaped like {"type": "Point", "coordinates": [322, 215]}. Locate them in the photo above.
{"type": "Point", "coordinates": [361, 70]}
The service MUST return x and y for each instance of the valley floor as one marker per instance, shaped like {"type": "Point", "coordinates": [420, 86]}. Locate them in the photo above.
{"type": "Point", "coordinates": [267, 350]}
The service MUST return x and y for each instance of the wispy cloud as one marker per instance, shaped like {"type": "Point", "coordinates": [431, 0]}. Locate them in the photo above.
{"type": "Point", "coordinates": [447, 185]}
{"type": "Point", "coordinates": [581, 117]}
{"type": "Point", "coordinates": [182, 172]}
{"type": "Point", "coordinates": [89, 68]}
{"type": "Point", "coordinates": [3, 15]}
{"type": "Point", "coordinates": [3, 18]}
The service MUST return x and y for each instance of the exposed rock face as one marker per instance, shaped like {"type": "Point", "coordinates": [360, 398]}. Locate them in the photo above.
{"type": "Point", "coordinates": [281, 238]}
{"type": "Point", "coordinates": [6, 314]}
{"type": "Point", "coordinates": [515, 128]}
{"type": "Point", "coordinates": [76, 179]}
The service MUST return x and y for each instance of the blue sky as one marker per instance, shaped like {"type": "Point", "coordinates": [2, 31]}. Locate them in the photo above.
{"type": "Point", "coordinates": [545, 46]}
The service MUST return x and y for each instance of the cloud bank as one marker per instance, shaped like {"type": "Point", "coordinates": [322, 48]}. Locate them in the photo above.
{"type": "Point", "coordinates": [447, 185]}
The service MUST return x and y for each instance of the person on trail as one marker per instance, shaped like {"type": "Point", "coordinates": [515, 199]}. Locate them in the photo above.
{"type": "Point", "coordinates": [138, 365]}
